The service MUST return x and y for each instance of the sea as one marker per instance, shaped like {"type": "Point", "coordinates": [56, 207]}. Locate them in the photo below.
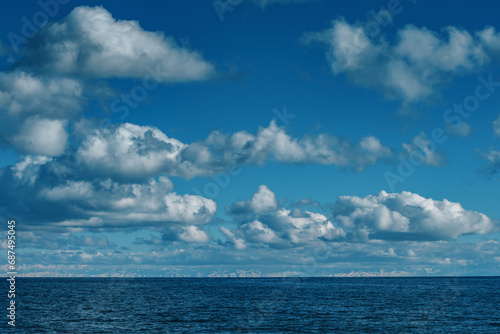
{"type": "Point", "coordinates": [255, 305]}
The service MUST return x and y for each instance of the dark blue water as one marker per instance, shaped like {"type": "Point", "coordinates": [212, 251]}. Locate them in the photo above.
{"type": "Point", "coordinates": [262, 305]}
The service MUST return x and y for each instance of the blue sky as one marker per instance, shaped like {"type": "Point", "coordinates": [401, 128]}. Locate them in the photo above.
{"type": "Point", "coordinates": [257, 137]}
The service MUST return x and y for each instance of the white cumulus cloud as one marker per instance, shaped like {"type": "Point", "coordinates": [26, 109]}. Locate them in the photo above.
{"type": "Point", "coordinates": [409, 216]}
{"type": "Point", "coordinates": [263, 221]}
{"type": "Point", "coordinates": [89, 42]}
{"type": "Point", "coordinates": [133, 152]}
{"type": "Point", "coordinates": [35, 194]}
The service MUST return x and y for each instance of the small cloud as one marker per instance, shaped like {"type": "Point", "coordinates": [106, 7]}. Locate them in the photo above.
{"type": "Point", "coordinates": [462, 130]}
{"type": "Point", "coordinates": [423, 151]}
{"type": "Point", "coordinates": [262, 201]}
{"type": "Point", "coordinates": [493, 168]}
{"type": "Point", "coordinates": [496, 126]}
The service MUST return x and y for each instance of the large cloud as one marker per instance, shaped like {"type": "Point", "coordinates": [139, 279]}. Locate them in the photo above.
{"type": "Point", "coordinates": [90, 42]}
{"type": "Point", "coordinates": [408, 216]}
{"type": "Point", "coordinates": [35, 195]}
{"type": "Point", "coordinates": [273, 143]}
{"type": "Point", "coordinates": [415, 65]}
{"type": "Point", "coordinates": [130, 151]}
{"type": "Point", "coordinates": [263, 222]}
{"type": "Point", "coordinates": [133, 152]}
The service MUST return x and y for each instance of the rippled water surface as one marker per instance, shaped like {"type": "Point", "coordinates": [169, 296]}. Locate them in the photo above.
{"type": "Point", "coordinates": [260, 305]}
